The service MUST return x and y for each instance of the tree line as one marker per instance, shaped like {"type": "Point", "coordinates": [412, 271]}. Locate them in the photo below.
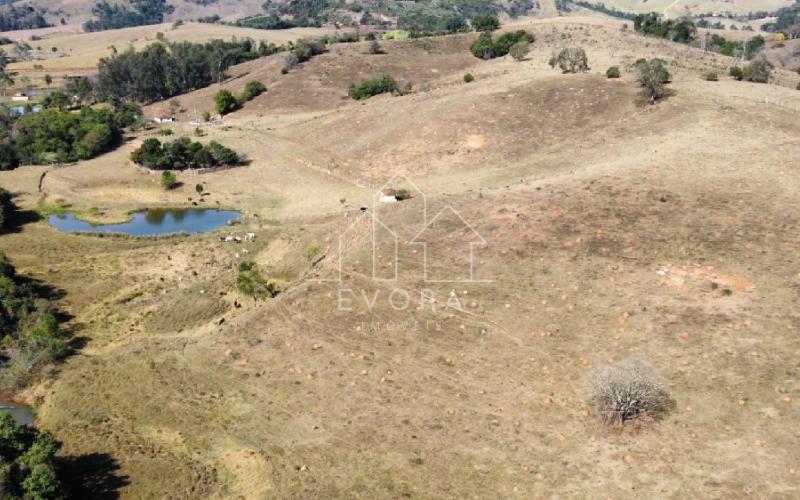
{"type": "Point", "coordinates": [747, 49]}
{"type": "Point", "coordinates": [109, 16]}
{"type": "Point", "coordinates": [163, 70]}
{"type": "Point", "coordinates": [787, 20]}
{"type": "Point", "coordinates": [22, 17]}
{"type": "Point", "coordinates": [609, 11]}
{"type": "Point", "coordinates": [422, 16]}
{"type": "Point", "coordinates": [30, 337]}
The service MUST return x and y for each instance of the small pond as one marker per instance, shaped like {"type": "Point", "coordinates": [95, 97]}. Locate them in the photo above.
{"type": "Point", "coordinates": [20, 110]}
{"type": "Point", "coordinates": [152, 222]}
{"type": "Point", "coordinates": [21, 414]}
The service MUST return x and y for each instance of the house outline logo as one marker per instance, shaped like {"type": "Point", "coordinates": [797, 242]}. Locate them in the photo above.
{"type": "Point", "coordinates": [377, 224]}
{"type": "Point", "coordinates": [377, 202]}
{"type": "Point", "coordinates": [419, 239]}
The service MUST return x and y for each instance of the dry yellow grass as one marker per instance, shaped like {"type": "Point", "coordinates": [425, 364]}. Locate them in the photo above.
{"type": "Point", "coordinates": [78, 53]}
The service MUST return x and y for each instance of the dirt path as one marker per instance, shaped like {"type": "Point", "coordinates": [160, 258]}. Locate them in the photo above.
{"type": "Point", "coordinates": [670, 6]}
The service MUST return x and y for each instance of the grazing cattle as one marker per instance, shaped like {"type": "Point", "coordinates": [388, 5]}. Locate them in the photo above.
{"type": "Point", "coordinates": [228, 239]}
{"type": "Point", "coordinates": [250, 237]}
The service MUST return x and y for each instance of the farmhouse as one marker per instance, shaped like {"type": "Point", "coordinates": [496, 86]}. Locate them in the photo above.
{"type": "Point", "coordinates": [164, 118]}
{"type": "Point", "coordinates": [388, 195]}
{"type": "Point", "coordinates": [21, 97]}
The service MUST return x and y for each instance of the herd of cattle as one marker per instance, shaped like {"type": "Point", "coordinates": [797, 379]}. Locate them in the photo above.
{"type": "Point", "coordinates": [238, 239]}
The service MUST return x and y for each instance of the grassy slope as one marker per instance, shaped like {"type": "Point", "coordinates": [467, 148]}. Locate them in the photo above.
{"type": "Point", "coordinates": [77, 11]}
{"type": "Point", "coordinates": [612, 230]}
{"type": "Point", "coordinates": [677, 8]}
{"type": "Point", "coordinates": [80, 52]}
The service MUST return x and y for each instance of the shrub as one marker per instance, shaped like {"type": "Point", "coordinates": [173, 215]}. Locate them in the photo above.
{"type": "Point", "coordinates": [304, 50]}
{"type": "Point", "coordinates": [29, 332]}
{"type": "Point", "coordinates": [504, 43]}
{"type": "Point", "coordinates": [627, 391]}
{"type": "Point", "coordinates": [222, 155]}
{"type": "Point", "coordinates": [206, 116]}
{"type": "Point", "coordinates": [225, 102]}
{"type": "Point", "coordinates": [486, 22]}
{"type": "Point", "coordinates": [571, 60]}
{"type": "Point", "coordinates": [57, 100]}
{"type": "Point", "coordinates": [681, 30]}
{"type": "Point", "coordinates": [375, 47]}
{"type": "Point", "coordinates": [310, 253]}
{"type": "Point", "coordinates": [252, 89]}
{"type": "Point", "coordinates": [373, 86]}
{"type": "Point", "coordinates": [613, 72]}
{"type": "Point", "coordinates": [169, 180]}
{"type": "Point", "coordinates": [519, 50]}
{"type": "Point", "coordinates": [250, 282]}
{"type": "Point", "coordinates": [758, 71]}
{"type": "Point", "coordinates": [165, 131]}
{"type": "Point", "coordinates": [468, 78]}
{"type": "Point", "coordinates": [289, 61]}
{"type": "Point", "coordinates": [486, 48]}
{"type": "Point", "coordinates": [403, 194]}
{"type": "Point", "coordinates": [482, 47]}
{"type": "Point", "coordinates": [711, 76]}
{"type": "Point", "coordinates": [653, 76]}
{"type": "Point", "coordinates": [45, 337]}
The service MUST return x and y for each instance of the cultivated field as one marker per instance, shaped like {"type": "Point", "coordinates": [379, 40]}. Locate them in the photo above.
{"type": "Point", "coordinates": [606, 228]}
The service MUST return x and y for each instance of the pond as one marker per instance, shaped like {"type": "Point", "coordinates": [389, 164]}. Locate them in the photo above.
{"type": "Point", "coordinates": [22, 415]}
{"type": "Point", "coordinates": [20, 110]}
{"type": "Point", "coordinates": [152, 222]}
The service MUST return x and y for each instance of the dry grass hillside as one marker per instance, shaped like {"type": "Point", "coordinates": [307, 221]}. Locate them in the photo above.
{"type": "Point", "coordinates": [677, 8]}
{"type": "Point", "coordinates": [604, 228]}
{"type": "Point", "coordinates": [75, 12]}
{"type": "Point", "coordinates": [79, 53]}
